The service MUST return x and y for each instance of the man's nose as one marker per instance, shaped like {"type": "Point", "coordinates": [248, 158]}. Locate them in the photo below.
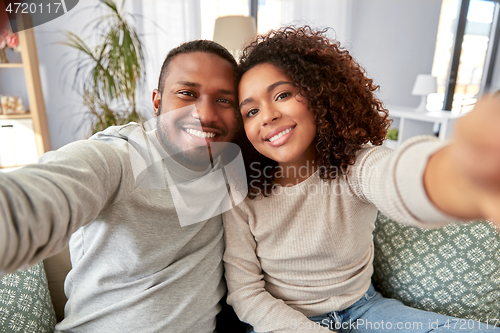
{"type": "Point", "coordinates": [206, 111]}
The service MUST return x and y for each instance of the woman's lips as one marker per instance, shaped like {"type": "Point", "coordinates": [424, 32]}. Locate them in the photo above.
{"type": "Point", "coordinates": [280, 136]}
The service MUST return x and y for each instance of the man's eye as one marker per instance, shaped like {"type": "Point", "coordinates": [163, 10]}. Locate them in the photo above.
{"type": "Point", "coordinates": [186, 93]}
{"type": "Point", "coordinates": [225, 101]}
{"type": "Point", "coordinates": [252, 112]}
{"type": "Point", "coordinates": [282, 95]}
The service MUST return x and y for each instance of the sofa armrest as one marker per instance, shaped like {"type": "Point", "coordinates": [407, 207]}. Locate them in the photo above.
{"type": "Point", "coordinates": [56, 268]}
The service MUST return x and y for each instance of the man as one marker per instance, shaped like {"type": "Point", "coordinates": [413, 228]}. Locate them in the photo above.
{"type": "Point", "coordinates": [136, 266]}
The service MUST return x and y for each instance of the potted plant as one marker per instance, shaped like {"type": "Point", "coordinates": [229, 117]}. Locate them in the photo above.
{"type": "Point", "coordinates": [392, 138]}
{"type": "Point", "coordinates": [109, 74]}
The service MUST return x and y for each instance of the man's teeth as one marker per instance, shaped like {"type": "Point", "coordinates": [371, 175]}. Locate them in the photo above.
{"type": "Point", "coordinates": [279, 135]}
{"type": "Point", "coordinates": [200, 134]}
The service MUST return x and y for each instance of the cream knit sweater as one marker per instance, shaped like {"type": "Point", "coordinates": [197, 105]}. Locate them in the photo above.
{"type": "Point", "coordinates": [307, 249]}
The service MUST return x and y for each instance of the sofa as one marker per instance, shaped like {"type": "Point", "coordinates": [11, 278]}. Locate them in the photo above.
{"type": "Point", "coordinates": [32, 300]}
{"type": "Point", "coordinates": [42, 306]}
{"type": "Point", "coordinates": [453, 270]}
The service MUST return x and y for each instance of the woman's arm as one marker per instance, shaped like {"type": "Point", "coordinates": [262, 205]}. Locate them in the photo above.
{"type": "Point", "coordinates": [463, 179]}
{"type": "Point", "coordinates": [246, 286]}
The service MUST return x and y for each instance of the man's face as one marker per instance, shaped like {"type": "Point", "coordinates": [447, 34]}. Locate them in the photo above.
{"type": "Point", "coordinates": [196, 108]}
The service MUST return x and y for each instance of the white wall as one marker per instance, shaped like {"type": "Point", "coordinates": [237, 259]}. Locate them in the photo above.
{"type": "Point", "coordinates": [394, 41]}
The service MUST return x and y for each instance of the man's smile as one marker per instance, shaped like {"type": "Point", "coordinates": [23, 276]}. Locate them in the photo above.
{"type": "Point", "coordinates": [200, 134]}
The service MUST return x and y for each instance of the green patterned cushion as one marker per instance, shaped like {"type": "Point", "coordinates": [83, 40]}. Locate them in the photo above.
{"type": "Point", "coordinates": [453, 270]}
{"type": "Point", "coordinates": [25, 304]}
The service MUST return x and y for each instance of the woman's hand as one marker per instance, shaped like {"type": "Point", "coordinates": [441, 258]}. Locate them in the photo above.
{"type": "Point", "coordinates": [476, 152]}
{"type": "Point", "coordinates": [463, 179]}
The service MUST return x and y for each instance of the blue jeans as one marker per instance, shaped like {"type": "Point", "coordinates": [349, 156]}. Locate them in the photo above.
{"type": "Point", "coordinates": [374, 313]}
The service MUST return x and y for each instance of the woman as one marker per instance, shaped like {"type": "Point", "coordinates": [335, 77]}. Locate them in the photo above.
{"type": "Point", "coordinates": [299, 249]}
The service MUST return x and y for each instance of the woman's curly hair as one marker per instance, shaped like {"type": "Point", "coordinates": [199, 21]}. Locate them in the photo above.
{"type": "Point", "coordinates": [347, 112]}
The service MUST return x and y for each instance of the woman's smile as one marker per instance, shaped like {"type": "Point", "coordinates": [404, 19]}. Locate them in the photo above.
{"type": "Point", "coordinates": [278, 137]}
{"type": "Point", "coordinates": [277, 119]}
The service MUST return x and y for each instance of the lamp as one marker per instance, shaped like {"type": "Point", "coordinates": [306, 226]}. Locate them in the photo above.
{"type": "Point", "coordinates": [425, 84]}
{"type": "Point", "coordinates": [233, 32]}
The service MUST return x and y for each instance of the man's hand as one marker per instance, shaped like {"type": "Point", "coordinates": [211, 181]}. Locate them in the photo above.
{"type": "Point", "coordinates": [463, 179]}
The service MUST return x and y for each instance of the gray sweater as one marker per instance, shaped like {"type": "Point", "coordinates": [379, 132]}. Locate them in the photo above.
{"type": "Point", "coordinates": [135, 269]}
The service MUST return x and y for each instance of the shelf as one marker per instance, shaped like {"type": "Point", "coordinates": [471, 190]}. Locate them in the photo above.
{"type": "Point", "coordinates": [409, 113]}
{"type": "Point", "coordinates": [15, 116]}
{"type": "Point", "coordinates": [411, 123]}
{"type": "Point", "coordinates": [25, 136]}
{"type": "Point", "coordinates": [11, 65]}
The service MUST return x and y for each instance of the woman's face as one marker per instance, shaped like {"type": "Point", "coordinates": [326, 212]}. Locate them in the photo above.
{"type": "Point", "coordinates": [276, 118]}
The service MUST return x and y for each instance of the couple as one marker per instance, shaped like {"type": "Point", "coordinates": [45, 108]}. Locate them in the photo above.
{"type": "Point", "coordinates": [293, 259]}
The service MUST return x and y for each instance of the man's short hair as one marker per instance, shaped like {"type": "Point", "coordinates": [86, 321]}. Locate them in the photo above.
{"type": "Point", "coordinates": [200, 45]}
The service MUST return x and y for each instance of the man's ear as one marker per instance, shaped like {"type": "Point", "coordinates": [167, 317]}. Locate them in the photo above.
{"type": "Point", "coordinates": [156, 101]}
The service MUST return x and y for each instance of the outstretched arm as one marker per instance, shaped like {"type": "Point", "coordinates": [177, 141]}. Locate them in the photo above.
{"type": "Point", "coordinates": [463, 179]}
{"type": "Point", "coordinates": [42, 205]}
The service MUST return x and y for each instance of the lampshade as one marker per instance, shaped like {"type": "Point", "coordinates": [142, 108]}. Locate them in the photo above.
{"type": "Point", "coordinates": [425, 84]}
{"type": "Point", "coordinates": [233, 32]}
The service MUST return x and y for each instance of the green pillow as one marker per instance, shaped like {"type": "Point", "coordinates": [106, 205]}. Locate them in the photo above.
{"type": "Point", "coordinates": [453, 270]}
{"type": "Point", "coordinates": [25, 303]}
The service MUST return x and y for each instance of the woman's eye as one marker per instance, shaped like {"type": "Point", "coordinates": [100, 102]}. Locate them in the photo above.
{"type": "Point", "coordinates": [282, 95]}
{"type": "Point", "coordinates": [252, 112]}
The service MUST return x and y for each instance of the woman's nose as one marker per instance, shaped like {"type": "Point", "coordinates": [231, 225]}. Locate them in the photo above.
{"type": "Point", "coordinates": [269, 115]}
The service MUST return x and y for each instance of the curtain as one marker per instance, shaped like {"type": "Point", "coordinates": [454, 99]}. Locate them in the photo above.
{"type": "Point", "coordinates": [163, 25]}
{"type": "Point", "coordinates": [336, 14]}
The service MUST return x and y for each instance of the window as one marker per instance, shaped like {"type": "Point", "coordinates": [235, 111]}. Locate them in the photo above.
{"type": "Point", "coordinates": [464, 56]}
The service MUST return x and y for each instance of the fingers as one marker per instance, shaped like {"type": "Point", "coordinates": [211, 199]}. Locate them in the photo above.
{"type": "Point", "coordinates": [476, 146]}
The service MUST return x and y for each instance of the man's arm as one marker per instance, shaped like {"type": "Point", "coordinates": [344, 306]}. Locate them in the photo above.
{"type": "Point", "coordinates": [42, 205]}
{"type": "Point", "coordinates": [463, 179]}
